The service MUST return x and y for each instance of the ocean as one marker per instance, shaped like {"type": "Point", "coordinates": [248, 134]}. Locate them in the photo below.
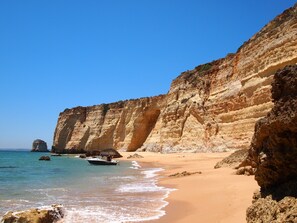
{"type": "Point", "coordinates": [123, 193]}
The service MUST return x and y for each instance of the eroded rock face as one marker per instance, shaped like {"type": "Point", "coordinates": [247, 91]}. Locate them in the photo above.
{"type": "Point", "coordinates": [39, 146]}
{"type": "Point", "coordinates": [274, 146]}
{"type": "Point", "coordinates": [213, 107]}
{"type": "Point", "coordinates": [273, 153]}
{"type": "Point", "coordinates": [275, 204]}
{"type": "Point", "coordinates": [124, 124]}
{"type": "Point", "coordinates": [269, 210]}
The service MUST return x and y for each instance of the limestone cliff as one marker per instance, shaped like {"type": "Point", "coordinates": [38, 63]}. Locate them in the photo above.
{"type": "Point", "coordinates": [210, 108]}
{"type": "Point", "coordinates": [124, 124]}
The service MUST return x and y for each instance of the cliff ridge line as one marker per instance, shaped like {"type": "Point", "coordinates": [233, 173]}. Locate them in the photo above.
{"type": "Point", "coordinates": [213, 107]}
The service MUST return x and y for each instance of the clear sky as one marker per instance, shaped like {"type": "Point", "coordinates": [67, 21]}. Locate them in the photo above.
{"type": "Point", "coordinates": [57, 54]}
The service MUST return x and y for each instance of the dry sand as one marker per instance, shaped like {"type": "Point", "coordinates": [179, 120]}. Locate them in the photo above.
{"type": "Point", "coordinates": [216, 195]}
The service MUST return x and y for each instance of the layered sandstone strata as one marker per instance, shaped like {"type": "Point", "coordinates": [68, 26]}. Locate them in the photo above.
{"type": "Point", "coordinates": [210, 108]}
{"type": "Point", "coordinates": [125, 124]}
{"type": "Point", "coordinates": [273, 153]}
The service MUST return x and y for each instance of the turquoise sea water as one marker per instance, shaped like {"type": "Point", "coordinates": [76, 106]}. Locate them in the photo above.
{"type": "Point", "coordinates": [122, 193]}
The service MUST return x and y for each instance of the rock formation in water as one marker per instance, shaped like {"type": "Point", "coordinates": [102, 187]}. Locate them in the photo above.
{"type": "Point", "coordinates": [45, 158]}
{"type": "Point", "coordinates": [47, 215]}
{"type": "Point", "coordinates": [213, 107]}
{"type": "Point", "coordinates": [39, 146]}
{"type": "Point", "coordinates": [273, 153]}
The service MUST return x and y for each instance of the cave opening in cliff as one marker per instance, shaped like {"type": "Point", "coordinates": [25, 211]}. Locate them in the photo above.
{"type": "Point", "coordinates": [142, 128]}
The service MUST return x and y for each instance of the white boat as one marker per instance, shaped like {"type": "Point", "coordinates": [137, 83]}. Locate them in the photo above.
{"type": "Point", "coordinates": [101, 161]}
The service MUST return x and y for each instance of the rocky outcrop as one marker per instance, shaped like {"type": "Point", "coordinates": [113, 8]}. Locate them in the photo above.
{"type": "Point", "coordinates": [237, 161]}
{"type": "Point", "coordinates": [233, 160]}
{"type": "Point", "coordinates": [246, 170]}
{"type": "Point", "coordinates": [273, 153]}
{"type": "Point", "coordinates": [135, 156]}
{"type": "Point", "coordinates": [213, 107]}
{"type": "Point", "coordinates": [274, 146]}
{"type": "Point", "coordinates": [270, 210]}
{"type": "Point", "coordinates": [39, 145]}
{"type": "Point", "coordinates": [47, 215]}
{"type": "Point", "coordinates": [184, 174]}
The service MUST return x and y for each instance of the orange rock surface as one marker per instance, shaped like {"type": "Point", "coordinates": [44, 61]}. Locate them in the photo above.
{"type": "Point", "coordinates": [213, 107]}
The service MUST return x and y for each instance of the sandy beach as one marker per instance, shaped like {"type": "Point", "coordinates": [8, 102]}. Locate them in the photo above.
{"type": "Point", "coordinates": [215, 195]}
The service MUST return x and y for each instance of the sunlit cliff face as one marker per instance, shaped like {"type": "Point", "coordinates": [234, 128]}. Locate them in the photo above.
{"type": "Point", "coordinates": [213, 107]}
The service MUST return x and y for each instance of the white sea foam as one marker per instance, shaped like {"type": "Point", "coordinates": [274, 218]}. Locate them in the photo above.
{"type": "Point", "coordinates": [23, 200]}
{"type": "Point", "coordinates": [151, 172]}
{"type": "Point", "coordinates": [119, 214]}
{"type": "Point", "coordinates": [12, 202]}
{"type": "Point", "coordinates": [108, 195]}
{"type": "Point", "coordinates": [148, 185]}
{"type": "Point", "coordinates": [48, 189]}
{"type": "Point", "coordinates": [135, 165]}
{"type": "Point", "coordinates": [139, 188]}
{"type": "Point", "coordinates": [115, 214]}
{"type": "Point", "coordinates": [122, 178]}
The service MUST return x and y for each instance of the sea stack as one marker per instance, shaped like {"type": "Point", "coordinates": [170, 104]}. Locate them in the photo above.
{"type": "Point", "coordinates": [39, 146]}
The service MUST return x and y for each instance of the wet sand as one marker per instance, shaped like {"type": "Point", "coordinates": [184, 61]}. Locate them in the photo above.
{"type": "Point", "coordinates": [215, 195]}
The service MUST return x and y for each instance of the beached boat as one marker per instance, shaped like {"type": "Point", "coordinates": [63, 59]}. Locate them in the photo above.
{"type": "Point", "coordinates": [100, 161]}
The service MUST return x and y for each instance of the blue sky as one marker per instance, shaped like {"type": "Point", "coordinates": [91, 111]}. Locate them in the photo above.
{"type": "Point", "coordinates": [57, 54]}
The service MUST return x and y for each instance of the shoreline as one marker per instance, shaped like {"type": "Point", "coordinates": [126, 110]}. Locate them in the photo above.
{"type": "Point", "coordinates": [206, 195]}
{"type": "Point", "coordinates": [127, 188]}
{"type": "Point", "coordinates": [215, 195]}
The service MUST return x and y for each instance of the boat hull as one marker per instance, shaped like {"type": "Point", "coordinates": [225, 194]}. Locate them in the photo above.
{"type": "Point", "coordinates": [101, 162]}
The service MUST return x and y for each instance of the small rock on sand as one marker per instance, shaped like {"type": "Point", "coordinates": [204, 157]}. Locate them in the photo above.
{"type": "Point", "coordinates": [184, 173]}
{"type": "Point", "coordinates": [134, 156]}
